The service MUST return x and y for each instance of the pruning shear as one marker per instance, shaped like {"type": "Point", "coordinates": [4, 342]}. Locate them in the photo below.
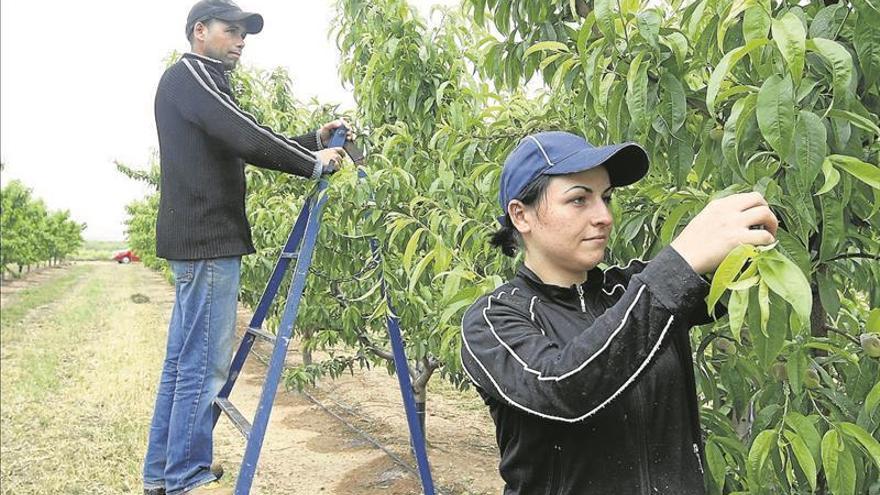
{"type": "Point", "coordinates": [337, 140]}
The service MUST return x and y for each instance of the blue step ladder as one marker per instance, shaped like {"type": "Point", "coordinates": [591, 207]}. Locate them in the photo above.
{"type": "Point", "coordinates": [300, 247]}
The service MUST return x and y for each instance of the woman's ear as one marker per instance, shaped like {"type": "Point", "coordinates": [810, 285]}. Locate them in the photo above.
{"type": "Point", "coordinates": [516, 210]}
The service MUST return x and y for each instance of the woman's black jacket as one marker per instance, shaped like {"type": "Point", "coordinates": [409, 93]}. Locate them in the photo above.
{"type": "Point", "coordinates": [592, 387]}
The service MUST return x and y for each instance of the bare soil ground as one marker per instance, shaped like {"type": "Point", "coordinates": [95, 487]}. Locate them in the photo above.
{"type": "Point", "coordinates": [79, 371]}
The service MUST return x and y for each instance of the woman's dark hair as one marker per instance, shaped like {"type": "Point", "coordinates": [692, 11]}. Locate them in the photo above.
{"type": "Point", "coordinates": [507, 237]}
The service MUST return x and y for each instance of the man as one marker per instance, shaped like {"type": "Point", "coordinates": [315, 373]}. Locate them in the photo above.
{"type": "Point", "coordinates": [202, 230]}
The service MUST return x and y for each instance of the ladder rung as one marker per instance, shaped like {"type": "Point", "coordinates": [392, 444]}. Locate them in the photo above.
{"type": "Point", "coordinates": [258, 332]}
{"type": "Point", "coordinates": [292, 256]}
{"type": "Point", "coordinates": [240, 422]}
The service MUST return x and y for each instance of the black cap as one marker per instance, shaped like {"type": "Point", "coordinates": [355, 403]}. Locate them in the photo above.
{"type": "Point", "coordinates": [224, 10]}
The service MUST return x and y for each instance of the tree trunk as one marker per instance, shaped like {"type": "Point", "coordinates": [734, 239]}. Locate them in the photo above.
{"type": "Point", "coordinates": [817, 319]}
{"type": "Point", "coordinates": [306, 351]}
{"type": "Point", "coordinates": [421, 395]}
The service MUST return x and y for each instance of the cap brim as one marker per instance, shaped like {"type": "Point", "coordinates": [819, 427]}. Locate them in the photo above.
{"type": "Point", "coordinates": [626, 163]}
{"type": "Point", "coordinates": [253, 22]}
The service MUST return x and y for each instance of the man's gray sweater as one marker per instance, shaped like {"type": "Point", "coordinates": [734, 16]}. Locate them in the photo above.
{"type": "Point", "coordinates": [205, 138]}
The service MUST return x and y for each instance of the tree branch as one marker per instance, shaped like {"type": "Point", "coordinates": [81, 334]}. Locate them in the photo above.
{"type": "Point", "coordinates": [841, 332]}
{"type": "Point", "coordinates": [855, 255]}
{"type": "Point", "coordinates": [429, 365]}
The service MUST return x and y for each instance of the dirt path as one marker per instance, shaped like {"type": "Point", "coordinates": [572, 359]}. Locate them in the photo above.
{"type": "Point", "coordinates": [78, 384]}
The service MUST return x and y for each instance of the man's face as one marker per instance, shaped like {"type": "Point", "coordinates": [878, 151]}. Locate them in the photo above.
{"type": "Point", "coordinates": [221, 40]}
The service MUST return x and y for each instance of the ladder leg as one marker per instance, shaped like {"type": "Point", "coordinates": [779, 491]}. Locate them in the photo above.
{"type": "Point", "coordinates": [293, 243]}
{"type": "Point", "coordinates": [416, 434]}
{"type": "Point", "coordinates": [276, 364]}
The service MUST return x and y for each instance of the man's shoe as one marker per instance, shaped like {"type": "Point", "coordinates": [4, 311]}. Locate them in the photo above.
{"type": "Point", "coordinates": [154, 491]}
{"type": "Point", "coordinates": [212, 488]}
{"type": "Point", "coordinates": [217, 470]}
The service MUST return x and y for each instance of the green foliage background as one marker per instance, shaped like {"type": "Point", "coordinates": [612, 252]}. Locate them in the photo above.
{"type": "Point", "coordinates": [31, 234]}
{"type": "Point", "coordinates": [726, 95]}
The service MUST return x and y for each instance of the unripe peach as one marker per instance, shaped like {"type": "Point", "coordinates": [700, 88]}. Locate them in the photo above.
{"type": "Point", "coordinates": [871, 344]}
{"type": "Point", "coordinates": [725, 346]}
{"type": "Point", "coordinates": [779, 372]}
{"type": "Point", "coordinates": [811, 378]}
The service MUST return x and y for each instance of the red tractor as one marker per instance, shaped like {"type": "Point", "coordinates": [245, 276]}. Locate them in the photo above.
{"type": "Point", "coordinates": [125, 256]}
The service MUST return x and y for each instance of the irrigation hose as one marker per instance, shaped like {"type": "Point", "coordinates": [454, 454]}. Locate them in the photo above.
{"type": "Point", "coordinates": [366, 436]}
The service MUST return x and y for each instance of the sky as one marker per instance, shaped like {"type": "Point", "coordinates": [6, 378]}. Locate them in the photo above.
{"type": "Point", "coordinates": [77, 82]}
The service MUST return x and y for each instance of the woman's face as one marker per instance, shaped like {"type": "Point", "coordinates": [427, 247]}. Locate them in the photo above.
{"type": "Point", "coordinates": [568, 229]}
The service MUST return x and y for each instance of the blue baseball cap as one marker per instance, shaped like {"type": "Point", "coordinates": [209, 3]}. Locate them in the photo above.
{"type": "Point", "coordinates": [561, 153]}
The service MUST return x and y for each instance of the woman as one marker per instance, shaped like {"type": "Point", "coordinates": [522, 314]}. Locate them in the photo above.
{"type": "Point", "coordinates": [588, 373]}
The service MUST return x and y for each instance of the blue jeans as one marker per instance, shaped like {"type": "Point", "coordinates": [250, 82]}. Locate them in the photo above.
{"type": "Point", "coordinates": [197, 360]}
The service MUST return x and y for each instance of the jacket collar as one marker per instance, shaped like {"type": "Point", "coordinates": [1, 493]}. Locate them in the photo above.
{"type": "Point", "coordinates": [594, 283]}
{"type": "Point", "coordinates": [207, 60]}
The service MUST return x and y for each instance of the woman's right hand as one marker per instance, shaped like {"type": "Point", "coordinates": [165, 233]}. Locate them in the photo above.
{"type": "Point", "coordinates": [723, 225]}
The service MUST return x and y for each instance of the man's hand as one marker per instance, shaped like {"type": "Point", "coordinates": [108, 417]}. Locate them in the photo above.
{"type": "Point", "coordinates": [331, 158]}
{"type": "Point", "coordinates": [327, 129]}
{"type": "Point", "coordinates": [721, 226]}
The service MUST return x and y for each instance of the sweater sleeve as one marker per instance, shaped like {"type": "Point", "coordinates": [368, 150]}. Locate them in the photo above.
{"type": "Point", "coordinates": [511, 359]}
{"type": "Point", "coordinates": [200, 101]}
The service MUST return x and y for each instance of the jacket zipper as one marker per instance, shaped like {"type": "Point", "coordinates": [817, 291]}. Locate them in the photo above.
{"type": "Point", "coordinates": [581, 295]}
{"type": "Point", "coordinates": [644, 475]}
{"type": "Point", "coordinates": [699, 459]}
{"type": "Point", "coordinates": [556, 470]}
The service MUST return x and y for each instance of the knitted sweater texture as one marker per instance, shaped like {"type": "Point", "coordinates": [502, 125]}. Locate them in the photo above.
{"type": "Point", "coordinates": [205, 138]}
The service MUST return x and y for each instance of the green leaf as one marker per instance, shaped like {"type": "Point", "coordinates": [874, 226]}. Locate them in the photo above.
{"type": "Point", "coordinates": [727, 272]}
{"type": "Point", "coordinates": [736, 8]}
{"type": "Point", "coordinates": [806, 430]}
{"type": "Point", "coordinates": [723, 68]}
{"type": "Point", "coordinates": [678, 44]}
{"type": "Point", "coordinates": [758, 454]}
{"type": "Point", "coordinates": [717, 465]}
{"type": "Point", "coordinates": [828, 294]}
{"type": "Point", "coordinates": [865, 172]}
{"type": "Point", "coordinates": [637, 92]}
{"type": "Point", "coordinates": [454, 308]}
{"type": "Point", "coordinates": [866, 40]}
{"type": "Point", "coordinates": [648, 22]}
{"type": "Point", "coordinates": [832, 349]}
{"type": "Point", "coordinates": [672, 221]}
{"type": "Point", "coordinates": [756, 21]}
{"type": "Point", "coordinates": [605, 18]}
{"type": "Point", "coordinates": [764, 304]}
{"type": "Point", "coordinates": [873, 324]}
{"type": "Point", "coordinates": [871, 445]}
{"type": "Point", "coordinates": [736, 311]}
{"type": "Point", "coordinates": [553, 46]}
{"type": "Point", "coordinates": [784, 278]}
{"type": "Point", "coordinates": [855, 119]}
{"type": "Point", "coordinates": [744, 283]}
{"type": "Point", "coordinates": [832, 176]}
{"type": "Point", "coordinates": [841, 68]}
{"type": "Point", "coordinates": [804, 459]}
{"type": "Point", "coordinates": [827, 21]}
{"type": "Point", "coordinates": [673, 105]}
{"type": "Point", "coordinates": [790, 37]}
{"type": "Point", "coordinates": [775, 113]}
{"type": "Point", "coordinates": [411, 247]}
{"type": "Point", "coordinates": [810, 146]}
{"type": "Point", "coordinates": [416, 274]}
{"type": "Point", "coordinates": [832, 226]}
{"type": "Point", "coordinates": [796, 366]}
{"type": "Point", "coordinates": [873, 399]}
{"type": "Point", "coordinates": [839, 467]}
{"type": "Point", "coordinates": [681, 159]}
